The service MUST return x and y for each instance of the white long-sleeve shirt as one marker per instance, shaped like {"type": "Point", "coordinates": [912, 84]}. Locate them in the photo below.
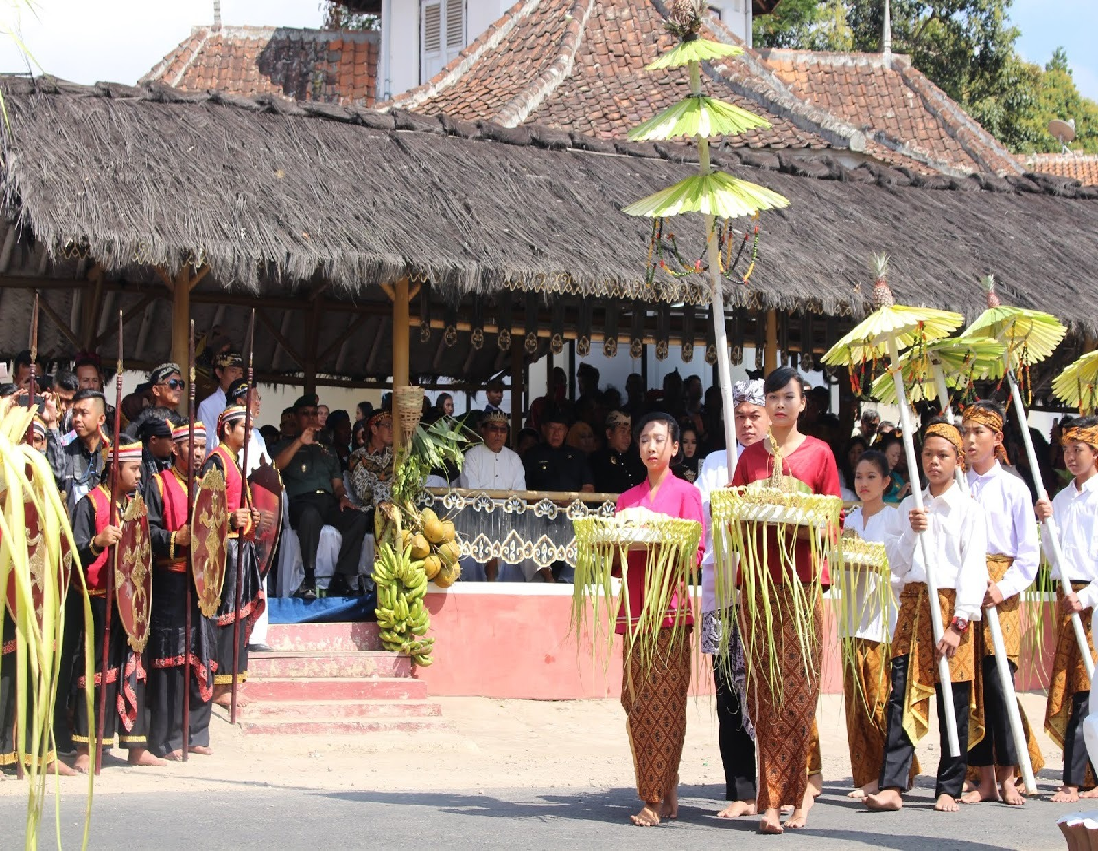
{"type": "Point", "coordinates": [1011, 525]}
{"type": "Point", "coordinates": [208, 411]}
{"type": "Point", "coordinates": [1075, 512]}
{"type": "Point", "coordinates": [484, 469]}
{"type": "Point", "coordinates": [956, 545]}
{"type": "Point", "coordinates": [862, 614]}
{"type": "Point", "coordinates": [713, 476]}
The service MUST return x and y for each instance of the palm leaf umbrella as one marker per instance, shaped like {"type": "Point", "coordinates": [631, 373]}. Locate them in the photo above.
{"type": "Point", "coordinates": [1078, 384]}
{"type": "Point", "coordinates": [885, 331]}
{"type": "Point", "coordinates": [1029, 336]}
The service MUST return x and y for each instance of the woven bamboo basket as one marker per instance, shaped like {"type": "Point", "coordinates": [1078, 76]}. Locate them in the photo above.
{"type": "Point", "coordinates": [860, 554]}
{"type": "Point", "coordinates": [753, 504]}
{"type": "Point", "coordinates": [634, 529]}
{"type": "Point", "coordinates": [407, 409]}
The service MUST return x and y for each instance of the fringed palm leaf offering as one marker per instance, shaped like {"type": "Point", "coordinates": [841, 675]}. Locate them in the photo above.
{"type": "Point", "coordinates": [1029, 336]}
{"type": "Point", "coordinates": [952, 363]}
{"type": "Point", "coordinates": [36, 566]}
{"type": "Point", "coordinates": [1078, 384]}
{"type": "Point", "coordinates": [888, 330]}
{"type": "Point", "coordinates": [603, 544]}
{"type": "Point", "coordinates": [744, 515]}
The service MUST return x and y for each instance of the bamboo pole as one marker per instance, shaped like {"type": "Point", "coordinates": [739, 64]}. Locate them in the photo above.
{"type": "Point", "coordinates": [991, 613]}
{"type": "Point", "coordinates": [190, 549]}
{"type": "Point", "coordinates": [931, 583]}
{"type": "Point", "coordinates": [1053, 532]}
{"type": "Point", "coordinates": [245, 502]}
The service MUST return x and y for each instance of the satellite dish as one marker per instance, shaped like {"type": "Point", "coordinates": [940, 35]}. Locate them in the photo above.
{"type": "Point", "coordinates": [1063, 131]}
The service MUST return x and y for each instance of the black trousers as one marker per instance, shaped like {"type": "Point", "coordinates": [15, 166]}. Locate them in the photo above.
{"type": "Point", "coordinates": [1076, 759]}
{"type": "Point", "coordinates": [310, 512]}
{"type": "Point", "coordinates": [737, 747]}
{"type": "Point", "coordinates": [74, 628]}
{"type": "Point", "coordinates": [900, 750]}
{"type": "Point", "coordinates": [997, 745]}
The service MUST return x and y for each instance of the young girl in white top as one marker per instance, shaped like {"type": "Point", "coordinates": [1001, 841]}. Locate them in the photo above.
{"type": "Point", "coordinates": [867, 618]}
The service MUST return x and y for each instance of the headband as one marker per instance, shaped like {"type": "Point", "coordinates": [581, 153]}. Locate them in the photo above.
{"type": "Point", "coordinates": [750, 392]}
{"type": "Point", "coordinates": [985, 417]}
{"type": "Point", "coordinates": [39, 427]}
{"type": "Point", "coordinates": [1081, 434]}
{"type": "Point", "coordinates": [230, 415]}
{"type": "Point", "coordinates": [183, 432]}
{"type": "Point", "coordinates": [378, 415]}
{"type": "Point", "coordinates": [129, 452]}
{"type": "Point", "coordinates": [950, 433]}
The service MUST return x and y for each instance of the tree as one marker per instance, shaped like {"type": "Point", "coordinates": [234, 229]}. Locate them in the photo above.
{"type": "Point", "coordinates": [804, 24]}
{"type": "Point", "coordinates": [338, 17]}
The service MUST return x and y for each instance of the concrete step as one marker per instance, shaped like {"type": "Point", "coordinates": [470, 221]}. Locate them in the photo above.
{"type": "Point", "coordinates": [289, 710]}
{"type": "Point", "coordinates": [337, 726]}
{"type": "Point", "coordinates": [335, 688]}
{"type": "Point", "coordinates": [335, 637]}
{"type": "Point", "coordinates": [329, 664]}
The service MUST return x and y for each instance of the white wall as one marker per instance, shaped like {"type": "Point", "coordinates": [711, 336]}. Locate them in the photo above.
{"type": "Point", "coordinates": [402, 32]}
{"type": "Point", "coordinates": [736, 15]}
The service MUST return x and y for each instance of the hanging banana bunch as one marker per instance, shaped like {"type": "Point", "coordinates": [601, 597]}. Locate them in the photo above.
{"type": "Point", "coordinates": [402, 618]}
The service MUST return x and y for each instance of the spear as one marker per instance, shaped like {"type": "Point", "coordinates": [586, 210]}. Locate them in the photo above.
{"type": "Point", "coordinates": [112, 558]}
{"type": "Point", "coordinates": [244, 503]}
{"type": "Point", "coordinates": [190, 549]}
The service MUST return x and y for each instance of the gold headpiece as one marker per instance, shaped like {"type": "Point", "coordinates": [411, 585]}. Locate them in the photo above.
{"type": "Point", "coordinates": [1085, 434]}
{"type": "Point", "coordinates": [950, 433]}
{"type": "Point", "coordinates": [991, 419]}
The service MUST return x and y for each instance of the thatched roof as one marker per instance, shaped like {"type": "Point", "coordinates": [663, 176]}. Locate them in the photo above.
{"type": "Point", "coordinates": [288, 200]}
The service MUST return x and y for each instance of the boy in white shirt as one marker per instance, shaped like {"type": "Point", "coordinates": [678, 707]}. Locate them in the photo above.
{"type": "Point", "coordinates": [1075, 510]}
{"type": "Point", "coordinates": [955, 537]}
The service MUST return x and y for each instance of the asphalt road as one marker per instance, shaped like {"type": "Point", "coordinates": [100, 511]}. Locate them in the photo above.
{"type": "Point", "coordinates": [291, 818]}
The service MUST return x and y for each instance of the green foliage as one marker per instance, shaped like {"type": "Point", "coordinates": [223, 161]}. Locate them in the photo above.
{"type": "Point", "coordinates": [432, 448]}
{"type": "Point", "coordinates": [338, 17]}
{"type": "Point", "coordinates": [966, 47]}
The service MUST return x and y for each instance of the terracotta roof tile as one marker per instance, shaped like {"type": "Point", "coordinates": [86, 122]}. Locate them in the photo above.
{"type": "Point", "coordinates": [1081, 167]}
{"type": "Point", "coordinates": [336, 67]}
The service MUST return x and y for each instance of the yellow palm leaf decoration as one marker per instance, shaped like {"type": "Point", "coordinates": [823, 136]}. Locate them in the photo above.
{"type": "Point", "coordinates": [1030, 336]}
{"type": "Point", "coordinates": [1078, 384]}
{"type": "Point", "coordinates": [697, 116]}
{"type": "Point", "coordinates": [715, 194]}
{"type": "Point", "coordinates": [693, 50]}
{"type": "Point", "coordinates": [960, 361]}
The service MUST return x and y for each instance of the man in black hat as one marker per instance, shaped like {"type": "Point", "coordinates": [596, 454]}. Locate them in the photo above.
{"type": "Point", "coordinates": [157, 444]}
{"type": "Point", "coordinates": [314, 486]}
{"type": "Point", "coordinates": [228, 367]}
{"type": "Point", "coordinates": [164, 389]}
{"type": "Point", "coordinates": [617, 466]}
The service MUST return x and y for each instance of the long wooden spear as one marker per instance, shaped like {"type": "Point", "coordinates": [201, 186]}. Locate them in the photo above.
{"type": "Point", "coordinates": [112, 558]}
{"type": "Point", "coordinates": [245, 502]}
{"type": "Point", "coordinates": [190, 549]}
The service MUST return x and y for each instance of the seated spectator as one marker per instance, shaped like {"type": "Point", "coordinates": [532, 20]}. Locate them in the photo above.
{"type": "Point", "coordinates": [528, 438]}
{"type": "Point", "coordinates": [363, 411]}
{"type": "Point", "coordinates": [89, 371]}
{"type": "Point", "coordinates": [270, 435]}
{"type": "Point", "coordinates": [360, 433]}
{"type": "Point", "coordinates": [494, 392]}
{"type": "Point", "coordinates": [339, 423]}
{"type": "Point", "coordinates": [582, 437]}
{"type": "Point", "coordinates": [687, 466]}
{"type": "Point", "coordinates": [617, 466]}
{"type": "Point", "coordinates": [372, 466]}
{"type": "Point", "coordinates": [554, 399]}
{"type": "Point", "coordinates": [444, 405]}
{"type": "Point", "coordinates": [317, 498]}
{"type": "Point", "coordinates": [288, 424]}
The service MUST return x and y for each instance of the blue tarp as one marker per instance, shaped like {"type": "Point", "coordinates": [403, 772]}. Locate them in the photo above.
{"type": "Point", "coordinates": [322, 609]}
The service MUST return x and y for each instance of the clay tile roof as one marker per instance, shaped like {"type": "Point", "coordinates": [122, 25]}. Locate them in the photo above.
{"type": "Point", "coordinates": [1081, 167]}
{"type": "Point", "coordinates": [305, 65]}
{"type": "Point", "coordinates": [894, 104]}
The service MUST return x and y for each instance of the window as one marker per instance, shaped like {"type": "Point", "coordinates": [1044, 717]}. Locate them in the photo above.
{"type": "Point", "coordinates": [442, 35]}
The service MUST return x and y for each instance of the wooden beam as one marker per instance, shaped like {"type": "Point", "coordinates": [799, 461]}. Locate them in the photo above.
{"type": "Point", "coordinates": [279, 338]}
{"type": "Point", "coordinates": [311, 336]}
{"type": "Point", "coordinates": [375, 346]}
{"type": "Point", "coordinates": [770, 354]}
{"type": "Point", "coordinates": [352, 326]}
{"type": "Point", "coordinates": [92, 308]}
{"type": "Point", "coordinates": [162, 273]}
{"type": "Point", "coordinates": [181, 326]}
{"type": "Point", "coordinates": [126, 317]}
{"type": "Point", "coordinates": [62, 326]}
{"type": "Point", "coordinates": [198, 276]}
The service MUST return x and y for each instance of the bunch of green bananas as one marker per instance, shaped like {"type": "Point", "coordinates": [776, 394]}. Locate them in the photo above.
{"type": "Point", "coordinates": [402, 618]}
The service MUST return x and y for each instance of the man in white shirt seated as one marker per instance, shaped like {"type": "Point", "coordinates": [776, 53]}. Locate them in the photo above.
{"type": "Point", "coordinates": [492, 466]}
{"type": "Point", "coordinates": [228, 368]}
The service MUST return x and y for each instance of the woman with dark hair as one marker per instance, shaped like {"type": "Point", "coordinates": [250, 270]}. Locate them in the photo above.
{"type": "Point", "coordinates": [444, 404]}
{"type": "Point", "coordinates": [359, 434]}
{"type": "Point", "coordinates": [848, 463]}
{"type": "Point", "coordinates": [363, 411]}
{"type": "Point", "coordinates": [893, 449]}
{"type": "Point", "coordinates": [784, 722]}
{"type": "Point", "coordinates": [689, 462]}
{"type": "Point", "coordinates": [654, 690]}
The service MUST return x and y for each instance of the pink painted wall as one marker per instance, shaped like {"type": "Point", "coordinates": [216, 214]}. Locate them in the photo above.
{"type": "Point", "coordinates": [509, 641]}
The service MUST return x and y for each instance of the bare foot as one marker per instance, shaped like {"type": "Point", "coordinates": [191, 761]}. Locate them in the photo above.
{"type": "Point", "coordinates": [887, 800]}
{"type": "Point", "coordinates": [140, 756]}
{"type": "Point", "coordinates": [981, 794]}
{"type": "Point", "coordinates": [798, 820]}
{"type": "Point", "coordinates": [1066, 795]}
{"type": "Point", "coordinates": [737, 809]}
{"type": "Point", "coordinates": [59, 768]}
{"type": "Point", "coordinates": [771, 822]}
{"type": "Point", "coordinates": [946, 804]}
{"type": "Point", "coordinates": [647, 817]}
{"type": "Point", "coordinates": [83, 762]}
{"type": "Point", "coordinates": [857, 794]}
{"type": "Point", "coordinates": [174, 756]}
{"type": "Point", "coordinates": [670, 807]}
{"type": "Point", "coordinates": [1090, 793]}
{"type": "Point", "coordinates": [1011, 796]}
{"type": "Point", "coordinates": [202, 750]}
{"type": "Point", "coordinates": [816, 784]}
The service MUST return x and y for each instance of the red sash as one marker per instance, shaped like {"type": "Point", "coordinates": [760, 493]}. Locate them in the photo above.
{"type": "Point", "coordinates": [97, 578]}
{"type": "Point", "coordinates": [173, 493]}
{"type": "Point", "coordinates": [233, 484]}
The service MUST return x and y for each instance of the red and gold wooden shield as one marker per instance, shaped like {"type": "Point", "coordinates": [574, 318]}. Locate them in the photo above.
{"type": "Point", "coordinates": [41, 566]}
{"type": "Point", "coordinates": [265, 485]}
{"type": "Point", "coordinates": [133, 573]}
{"type": "Point", "coordinates": [209, 529]}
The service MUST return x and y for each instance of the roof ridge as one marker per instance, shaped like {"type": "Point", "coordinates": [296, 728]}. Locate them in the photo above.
{"type": "Point", "coordinates": [834, 57]}
{"type": "Point", "coordinates": [518, 109]}
{"type": "Point", "coordinates": [198, 46]}
{"type": "Point", "coordinates": [461, 63]}
{"type": "Point", "coordinates": [1057, 157]}
{"type": "Point", "coordinates": [160, 68]}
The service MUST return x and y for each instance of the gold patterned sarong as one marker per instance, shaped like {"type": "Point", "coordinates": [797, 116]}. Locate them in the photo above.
{"type": "Point", "coordinates": [865, 688]}
{"type": "Point", "coordinates": [914, 638]}
{"type": "Point", "coordinates": [1069, 674]}
{"type": "Point", "coordinates": [653, 695]}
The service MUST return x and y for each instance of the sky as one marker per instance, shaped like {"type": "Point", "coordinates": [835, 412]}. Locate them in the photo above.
{"type": "Point", "coordinates": [120, 40]}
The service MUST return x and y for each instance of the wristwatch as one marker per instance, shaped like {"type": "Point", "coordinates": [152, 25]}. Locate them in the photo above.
{"type": "Point", "coordinates": [959, 624]}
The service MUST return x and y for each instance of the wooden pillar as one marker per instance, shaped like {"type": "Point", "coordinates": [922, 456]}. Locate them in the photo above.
{"type": "Point", "coordinates": [181, 326]}
{"type": "Point", "coordinates": [770, 355]}
{"type": "Point", "coordinates": [311, 346]}
{"type": "Point", "coordinates": [401, 334]}
{"type": "Point", "coordinates": [518, 388]}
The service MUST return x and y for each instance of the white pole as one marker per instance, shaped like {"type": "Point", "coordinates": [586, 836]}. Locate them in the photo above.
{"type": "Point", "coordinates": [931, 584]}
{"type": "Point", "coordinates": [1057, 553]}
{"type": "Point", "coordinates": [991, 614]}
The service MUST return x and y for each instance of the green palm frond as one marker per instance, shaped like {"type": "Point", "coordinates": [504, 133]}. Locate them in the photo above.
{"type": "Point", "coordinates": [1078, 384]}
{"type": "Point", "coordinates": [868, 340]}
{"type": "Point", "coordinates": [716, 194]}
{"type": "Point", "coordinates": [698, 116]}
{"type": "Point", "coordinates": [1030, 336]}
{"type": "Point", "coordinates": [962, 361]}
{"type": "Point", "coordinates": [698, 50]}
